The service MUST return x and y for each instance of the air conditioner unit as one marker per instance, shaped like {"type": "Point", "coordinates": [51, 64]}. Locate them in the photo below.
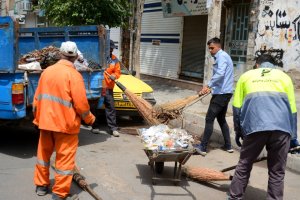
{"type": "Point", "coordinates": [26, 5]}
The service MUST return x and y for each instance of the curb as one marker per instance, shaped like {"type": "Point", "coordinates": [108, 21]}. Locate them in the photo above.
{"type": "Point", "coordinates": [195, 123]}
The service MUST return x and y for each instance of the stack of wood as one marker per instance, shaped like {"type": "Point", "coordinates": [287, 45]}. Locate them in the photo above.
{"type": "Point", "coordinates": [46, 56]}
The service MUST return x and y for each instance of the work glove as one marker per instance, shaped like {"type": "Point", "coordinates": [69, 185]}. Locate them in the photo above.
{"type": "Point", "coordinates": [112, 77]}
{"type": "Point", "coordinates": [238, 136]}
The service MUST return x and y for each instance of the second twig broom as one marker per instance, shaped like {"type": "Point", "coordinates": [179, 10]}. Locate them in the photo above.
{"type": "Point", "coordinates": [207, 174]}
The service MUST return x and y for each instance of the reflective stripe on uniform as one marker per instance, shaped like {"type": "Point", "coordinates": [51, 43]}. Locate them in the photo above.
{"type": "Point", "coordinates": [55, 99]}
{"type": "Point", "coordinates": [64, 172]}
{"type": "Point", "coordinates": [264, 100]}
{"type": "Point", "coordinates": [60, 101]}
{"type": "Point", "coordinates": [83, 115]}
{"type": "Point", "coordinates": [276, 113]}
{"type": "Point", "coordinates": [43, 163]}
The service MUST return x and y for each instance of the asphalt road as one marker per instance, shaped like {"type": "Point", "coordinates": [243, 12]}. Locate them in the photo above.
{"type": "Point", "coordinates": [117, 169]}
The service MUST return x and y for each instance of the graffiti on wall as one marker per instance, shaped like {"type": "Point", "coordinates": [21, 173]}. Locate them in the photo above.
{"type": "Point", "coordinates": [277, 54]}
{"type": "Point", "coordinates": [267, 2]}
{"type": "Point", "coordinates": [278, 31]}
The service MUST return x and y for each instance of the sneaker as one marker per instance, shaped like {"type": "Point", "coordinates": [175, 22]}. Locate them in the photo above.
{"type": "Point", "coordinates": [95, 131]}
{"type": "Point", "coordinates": [116, 133]}
{"type": "Point", "coordinates": [200, 150]}
{"type": "Point", "coordinates": [73, 197]}
{"type": "Point", "coordinates": [229, 150]}
{"type": "Point", "coordinates": [41, 190]}
{"type": "Point", "coordinates": [295, 150]}
{"type": "Point", "coordinates": [294, 144]}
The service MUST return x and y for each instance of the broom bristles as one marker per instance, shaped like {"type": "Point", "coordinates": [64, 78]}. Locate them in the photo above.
{"type": "Point", "coordinates": [205, 174]}
{"type": "Point", "coordinates": [178, 104]}
{"type": "Point", "coordinates": [144, 108]}
{"type": "Point", "coordinates": [159, 114]}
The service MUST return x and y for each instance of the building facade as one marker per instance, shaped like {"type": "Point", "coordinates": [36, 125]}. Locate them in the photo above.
{"type": "Point", "coordinates": [175, 47]}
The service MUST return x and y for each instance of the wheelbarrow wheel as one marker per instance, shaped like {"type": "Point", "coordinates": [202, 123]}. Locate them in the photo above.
{"type": "Point", "coordinates": [159, 167]}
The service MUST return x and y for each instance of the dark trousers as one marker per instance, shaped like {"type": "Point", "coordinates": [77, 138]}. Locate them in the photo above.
{"type": "Point", "coordinates": [110, 111]}
{"type": "Point", "coordinates": [217, 109]}
{"type": "Point", "coordinates": [277, 144]}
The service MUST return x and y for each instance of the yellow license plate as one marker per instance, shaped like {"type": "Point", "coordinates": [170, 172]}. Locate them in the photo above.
{"type": "Point", "coordinates": [124, 104]}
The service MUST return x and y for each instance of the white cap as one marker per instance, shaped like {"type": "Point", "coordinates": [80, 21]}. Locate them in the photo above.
{"type": "Point", "coordinates": [80, 55]}
{"type": "Point", "coordinates": [68, 49]}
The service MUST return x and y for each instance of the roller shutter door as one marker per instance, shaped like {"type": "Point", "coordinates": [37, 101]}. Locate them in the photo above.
{"type": "Point", "coordinates": [160, 50]}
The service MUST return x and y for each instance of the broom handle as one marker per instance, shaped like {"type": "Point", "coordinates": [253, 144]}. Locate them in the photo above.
{"type": "Point", "coordinates": [200, 97]}
{"type": "Point", "coordinates": [120, 85]}
{"type": "Point", "coordinates": [233, 167]}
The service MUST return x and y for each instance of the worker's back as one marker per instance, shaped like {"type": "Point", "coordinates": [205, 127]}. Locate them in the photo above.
{"type": "Point", "coordinates": [60, 95]}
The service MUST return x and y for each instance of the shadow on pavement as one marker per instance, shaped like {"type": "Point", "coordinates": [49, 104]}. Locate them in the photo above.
{"type": "Point", "coordinates": [86, 137]}
{"type": "Point", "coordinates": [145, 175]}
{"type": "Point", "coordinates": [251, 192]}
{"type": "Point", "coordinates": [19, 142]}
{"type": "Point", "coordinates": [22, 142]}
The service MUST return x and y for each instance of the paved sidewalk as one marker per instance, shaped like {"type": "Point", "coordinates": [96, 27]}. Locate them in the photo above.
{"type": "Point", "coordinates": [194, 116]}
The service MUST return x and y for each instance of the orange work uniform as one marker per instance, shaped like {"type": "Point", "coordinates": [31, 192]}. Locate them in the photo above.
{"type": "Point", "coordinates": [113, 69]}
{"type": "Point", "coordinates": [59, 105]}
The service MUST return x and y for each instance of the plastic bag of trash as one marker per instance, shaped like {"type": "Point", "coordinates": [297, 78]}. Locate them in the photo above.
{"type": "Point", "coordinates": [32, 66]}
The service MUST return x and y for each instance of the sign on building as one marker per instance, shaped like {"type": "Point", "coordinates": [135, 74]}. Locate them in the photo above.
{"type": "Point", "coordinates": [178, 8]}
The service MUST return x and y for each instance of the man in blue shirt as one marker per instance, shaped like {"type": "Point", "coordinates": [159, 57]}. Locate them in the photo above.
{"type": "Point", "coordinates": [221, 87]}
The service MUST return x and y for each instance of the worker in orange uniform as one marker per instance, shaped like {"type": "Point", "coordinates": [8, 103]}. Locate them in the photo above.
{"type": "Point", "coordinates": [59, 105]}
{"type": "Point", "coordinates": [114, 71]}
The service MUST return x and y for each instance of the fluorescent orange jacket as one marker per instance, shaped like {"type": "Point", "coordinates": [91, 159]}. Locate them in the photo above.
{"type": "Point", "coordinates": [60, 99]}
{"type": "Point", "coordinates": [113, 69]}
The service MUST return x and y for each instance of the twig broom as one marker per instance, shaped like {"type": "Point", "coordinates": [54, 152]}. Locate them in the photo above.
{"type": "Point", "coordinates": [143, 106]}
{"type": "Point", "coordinates": [160, 114]}
{"type": "Point", "coordinates": [207, 174]}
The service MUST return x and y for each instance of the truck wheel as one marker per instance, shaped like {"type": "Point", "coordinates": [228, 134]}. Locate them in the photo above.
{"type": "Point", "coordinates": [159, 167]}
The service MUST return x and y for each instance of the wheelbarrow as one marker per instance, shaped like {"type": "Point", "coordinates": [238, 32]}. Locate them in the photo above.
{"type": "Point", "coordinates": [158, 158]}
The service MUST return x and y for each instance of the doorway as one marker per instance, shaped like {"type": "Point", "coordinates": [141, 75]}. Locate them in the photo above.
{"type": "Point", "coordinates": [193, 47]}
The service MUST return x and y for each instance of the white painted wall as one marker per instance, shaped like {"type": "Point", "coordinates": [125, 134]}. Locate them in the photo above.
{"type": "Point", "coordinates": [279, 29]}
{"type": "Point", "coordinates": [115, 35]}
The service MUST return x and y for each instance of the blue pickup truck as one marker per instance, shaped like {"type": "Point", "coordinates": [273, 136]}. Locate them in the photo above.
{"type": "Point", "coordinates": [17, 87]}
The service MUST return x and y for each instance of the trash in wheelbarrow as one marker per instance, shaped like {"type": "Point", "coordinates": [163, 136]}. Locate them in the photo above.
{"type": "Point", "coordinates": [163, 144]}
{"type": "Point", "coordinates": [163, 138]}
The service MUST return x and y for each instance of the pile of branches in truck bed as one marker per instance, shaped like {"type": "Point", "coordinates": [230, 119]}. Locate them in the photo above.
{"type": "Point", "coordinates": [46, 56]}
{"type": "Point", "coordinates": [50, 55]}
